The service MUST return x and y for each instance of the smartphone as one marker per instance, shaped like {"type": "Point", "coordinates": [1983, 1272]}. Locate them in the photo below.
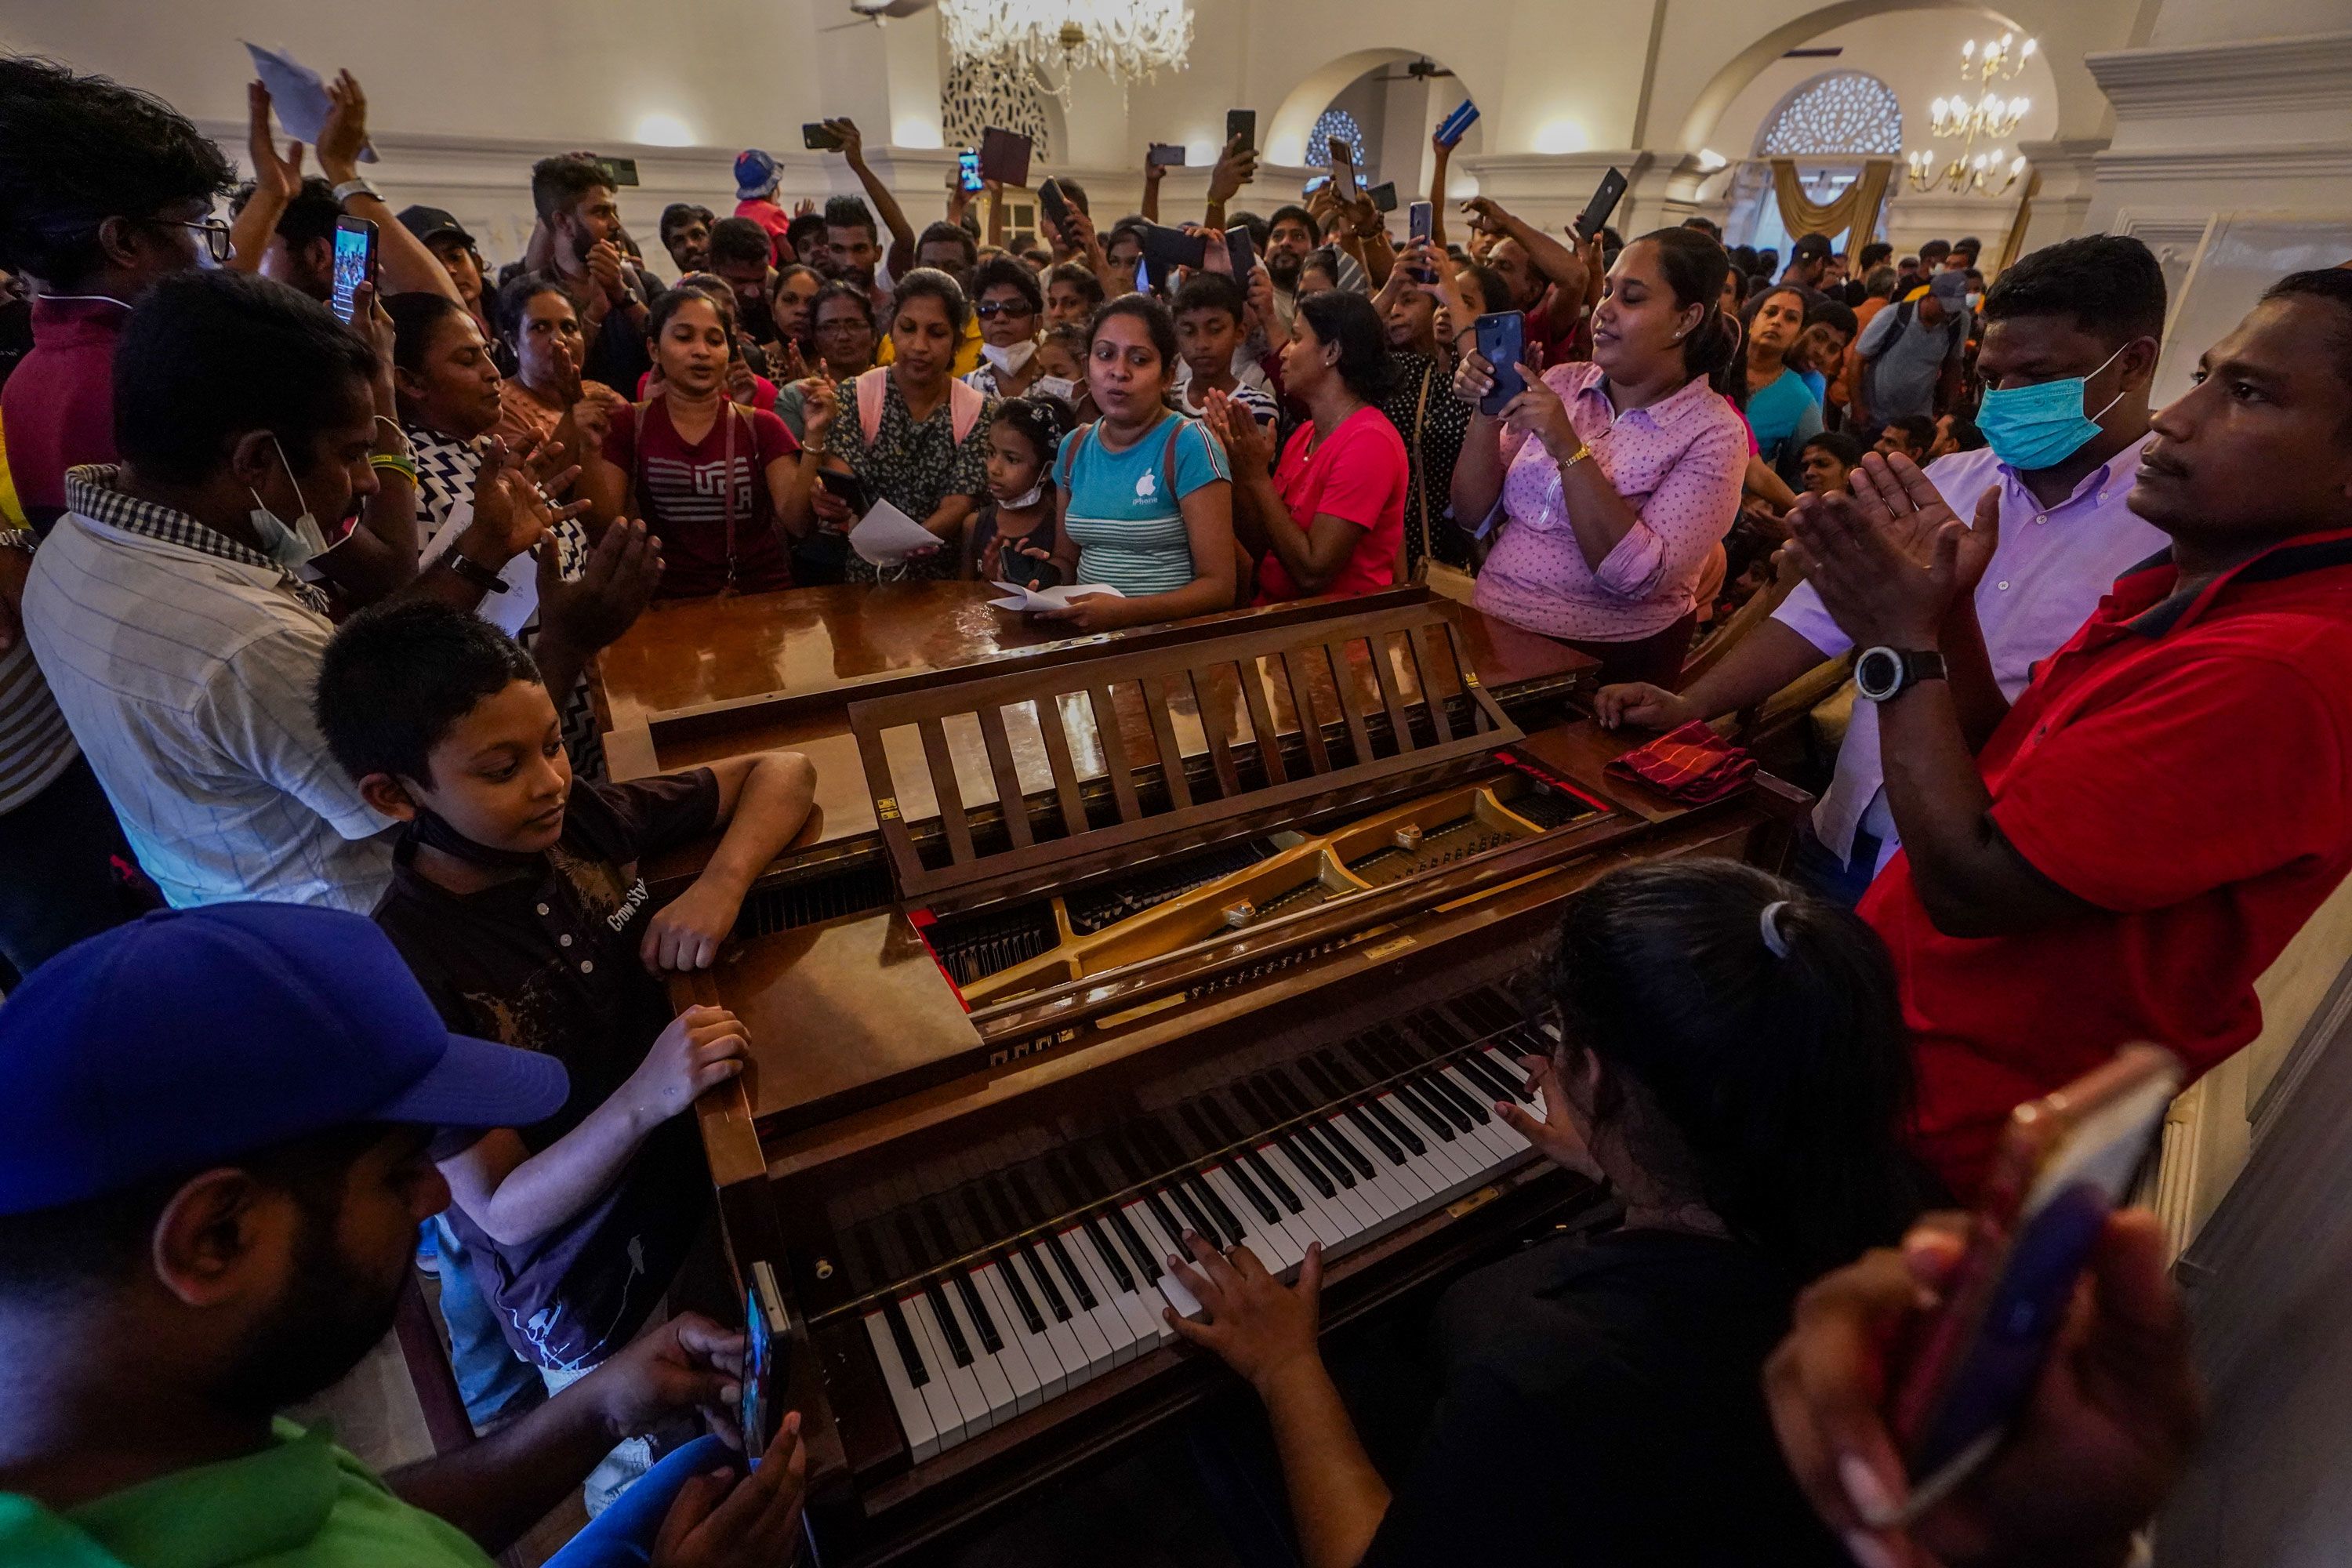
{"type": "Point", "coordinates": [1503, 342]}
{"type": "Point", "coordinates": [620, 170]}
{"type": "Point", "coordinates": [1314, 184]}
{"type": "Point", "coordinates": [1603, 203]}
{"type": "Point", "coordinates": [1454, 126]}
{"type": "Point", "coordinates": [1421, 221]}
{"type": "Point", "coordinates": [1240, 249]}
{"type": "Point", "coordinates": [2065, 1160]}
{"type": "Point", "coordinates": [848, 488]}
{"type": "Point", "coordinates": [818, 138]}
{"type": "Point", "coordinates": [1343, 172]}
{"type": "Point", "coordinates": [1241, 128]}
{"type": "Point", "coordinates": [1169, 248]}
{"type": "Point", "coordinates": [1384, 196]}
{"type": "Point", "coordinates": [1004, 157]}
{"type": "Point", "coordinates": [968, 169]}
{"type": "Point", "coordinates": [1164, 155]}
{"type": "Point", "coordinates": [1055, 204]}
{"type": "Point", "coordinates": [764, 1324]}
{"type": "Point", "coordinates": [354, 262]}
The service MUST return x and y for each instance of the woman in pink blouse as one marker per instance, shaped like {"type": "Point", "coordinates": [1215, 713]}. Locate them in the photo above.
{"type": "Point", "coordinates": [1633, 473]}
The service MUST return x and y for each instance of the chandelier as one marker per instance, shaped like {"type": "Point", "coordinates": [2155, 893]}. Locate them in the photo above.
{"type": "Point", "coordinates": [1990, 118]}
{"type": "Point", "coordinates": [1128, 40]}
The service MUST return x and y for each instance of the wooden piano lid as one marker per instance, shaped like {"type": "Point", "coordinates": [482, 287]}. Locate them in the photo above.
{"type": "Point", "coordinates": [1345, 699]}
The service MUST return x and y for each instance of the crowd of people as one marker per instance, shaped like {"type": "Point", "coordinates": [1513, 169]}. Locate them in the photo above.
{"type": "Point", "coordinates": [305, 833]}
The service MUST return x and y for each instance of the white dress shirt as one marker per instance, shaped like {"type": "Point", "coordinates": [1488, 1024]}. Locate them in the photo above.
{"type": "Point", "coordinates": [185, 663]}
{"type": "Point", "coordinates": [2052, 566]}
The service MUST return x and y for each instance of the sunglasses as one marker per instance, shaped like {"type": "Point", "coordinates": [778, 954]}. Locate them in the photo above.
{"type": "Point", "coordinates": [990, 310]}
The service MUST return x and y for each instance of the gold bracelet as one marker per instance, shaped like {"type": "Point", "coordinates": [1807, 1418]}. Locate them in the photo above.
{"type": "Point", "coordinates": [1582, 451]}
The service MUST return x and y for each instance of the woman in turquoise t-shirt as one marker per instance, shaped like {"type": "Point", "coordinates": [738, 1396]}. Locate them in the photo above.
{"type": "Point", "coordinates": [1782, 409]}
{"type": "Point", "coordinates": [1147, 497]}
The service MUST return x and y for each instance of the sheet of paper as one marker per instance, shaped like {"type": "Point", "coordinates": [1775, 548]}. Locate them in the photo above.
{"type": "Point", "coordinates": [510, 611]}
{"type": "Point", "coordinates": [1020, 598]}
{"type": "Point", "coordinates": [886, 536]}
{"type": "Point", "coordinates": [297, 95]}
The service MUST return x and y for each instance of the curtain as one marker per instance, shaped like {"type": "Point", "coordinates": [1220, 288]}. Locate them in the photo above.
{"type": "Point", "coordinates": [1857, 206]}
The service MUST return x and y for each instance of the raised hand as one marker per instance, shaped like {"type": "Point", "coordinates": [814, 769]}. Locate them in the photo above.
{"type": "Point", "coordinates": [820, 406]}
{"type": "Point", "coordinates": [272, 175]}
{"type": "Point", "coordinates": [1902, 502]}
{"type": "Point", "coordinates": [344, 136]}
{"type": "Point", "coordinates": [604, 273]}
{"type": "Point", "coordinates": [512, 509]}
{"type": "Point", "coordinates": [852, 140]}
{"type": "Point", "coordinates": [1236, 167]}
{"type": "Point", "coordinates": [613, 590]}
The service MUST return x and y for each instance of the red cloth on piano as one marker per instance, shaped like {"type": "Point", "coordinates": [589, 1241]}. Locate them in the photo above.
{"type": "Point", "coordinates": [1691, 766]}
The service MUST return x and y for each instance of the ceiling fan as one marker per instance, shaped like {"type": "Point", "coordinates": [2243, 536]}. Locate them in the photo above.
{"type": "Point", "coordinates": [1421, 69]}
{"type": "Point", "coordinates": [875, 10]}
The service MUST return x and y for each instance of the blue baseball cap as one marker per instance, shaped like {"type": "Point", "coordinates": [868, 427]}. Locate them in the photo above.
{"type": "Point", "coordinates": [755, 174]}
{"type": "Point", "coordinates": [191, 1037]}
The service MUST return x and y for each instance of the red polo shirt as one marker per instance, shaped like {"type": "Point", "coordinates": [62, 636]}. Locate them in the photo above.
{"type": "Point", "coordinates": [2185, 764]}
{"type": "Point", "coordinates": [58, 409]}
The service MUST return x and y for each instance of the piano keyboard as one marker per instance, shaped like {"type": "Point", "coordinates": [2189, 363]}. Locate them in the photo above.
{"type": "Point", "coordinates": [1342, 1146]}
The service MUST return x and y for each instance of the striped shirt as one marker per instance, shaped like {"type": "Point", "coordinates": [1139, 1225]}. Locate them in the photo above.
{"type": "Point", "coordinates": [1126, 515]}
{"type": "Point", "coordinates": [185, 663]}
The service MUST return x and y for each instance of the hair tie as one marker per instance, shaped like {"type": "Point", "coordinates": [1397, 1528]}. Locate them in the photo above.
{"type": "Point", "coordinates": [1768, 923]}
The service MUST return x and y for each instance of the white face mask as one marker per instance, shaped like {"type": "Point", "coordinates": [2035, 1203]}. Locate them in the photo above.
{"type": "Point", "coordinates": [1008, 359]}
{"type": "Point", "coordinates": [1027, 499]}
{"type": "Point", "coordinates": [291, 545]}
{"type": "Point", "coordinates": [1060, 387]}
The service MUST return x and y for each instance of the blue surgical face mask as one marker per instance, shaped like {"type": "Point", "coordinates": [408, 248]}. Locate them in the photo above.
{"type": "Point", "coordinates": [2042, 426]}
{"type": "Point", "coordinates": [293, 544]}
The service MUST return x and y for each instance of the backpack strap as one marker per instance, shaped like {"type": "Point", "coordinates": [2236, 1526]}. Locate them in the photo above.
{"type": "Point", "coordinates": [1065, 463]}
{"type": "Point", "coordinates": [966, 404]}
{"type": "Point", "coordinates": [1168, 460]}
{"type": "Point", "coordinates": [870, 390]}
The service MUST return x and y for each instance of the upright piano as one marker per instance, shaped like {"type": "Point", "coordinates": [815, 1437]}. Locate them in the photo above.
{"type": "Point", "coordinates": [1221, 926]}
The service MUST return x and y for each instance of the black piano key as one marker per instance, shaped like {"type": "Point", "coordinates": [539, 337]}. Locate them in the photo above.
{"type": "Point", "coordinates": [1396, 1128]}
{"type": "Point", "coordinates": [1273, 1181]}
{"type": "Point", "coordinates": [1070, 1274]}
{"type": "Point", "coordinates": [1478, 1070]}
{"type": "Point", "coordinates": [957, 1346]}
{"type": "Point", "coordinates": [1195, 1219]}
{"type": "Point", "coordinates": [1171, 1230]}
{"type": "Point", "coordinates": [1296, 1153]}
{"type": "Point", "coordinates": [942, 1234]}
{"type": "Point", "coordinates": [1343, 1073]}
{"type": "Point", "coordinates": [1326, 1150]}
{"type": "Point", "coordinates": [1261, 1114]}
{"type": "Point", "coordinates": [1327, 1089]}
{"type": "Point", "coordinates": [1078, 1176]}
{"type": "Point", "coordinates": [1356, 1157]}
{"type": "Point", "coordinates": [1145, 1258]}
{"type": "Point", "coordinates": [1110, 1255]}
{"type": "Point", "coordinates": [990, 1224]}
{"type": "Point", "coordinates": [921, 1255]}
{"type": "Point", "coordinates": [1228, 1223]}
{"type": "Point", "coordinates": [903, 1335]}
{"type": "Point", "coordinates": [1434, 1024]}
{"type": "Point", "coordinates": [1409, 1095]}
{"type": "Point", "coordinates": [1124, 1156]}
{"type": "Point", "coordinates": [1195, 1120]}
{"type": "Point", "coordinates": [1023, 1302]}
{"type": "Point", "coordinates": [981, 1323]}
{"type": "Point", "coordinates": [1033, 1211]}
{"type": "Point", "coordinates": [1389, 1150]}
{"type": "Point", "coordinates": [1506, 1061]}
{"type": "Point", "coordinates": [1249, 1190]}
{"type": "Point", "coordinates": [1464, 1112]}
{"type": "Point", "coordinates": [1278, 1093]}
{"type": "Point", "coordinates": [1164, 1143]}
{"type": "Point", "coordinates": [1041, 1278]}
{"type": "Point", "coordinates": [1369, 1059]}
{"type": "Point", "coordinates": [1221, 1119]}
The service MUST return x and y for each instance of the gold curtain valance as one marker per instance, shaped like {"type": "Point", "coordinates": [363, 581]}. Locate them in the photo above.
{"type": "Point", "coordinates": [1857, 206]}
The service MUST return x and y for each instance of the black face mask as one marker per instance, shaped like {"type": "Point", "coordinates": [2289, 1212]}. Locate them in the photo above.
{"type": "Point", "coordinates": [429, 828]}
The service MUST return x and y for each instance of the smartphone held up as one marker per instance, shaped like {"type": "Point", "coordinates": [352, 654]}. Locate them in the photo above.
{"type": "Point", "coordinates": [355, 263]}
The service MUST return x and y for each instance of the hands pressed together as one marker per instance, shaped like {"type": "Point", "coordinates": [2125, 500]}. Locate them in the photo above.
{"type": "Point", "coordinates": [1891, 559]}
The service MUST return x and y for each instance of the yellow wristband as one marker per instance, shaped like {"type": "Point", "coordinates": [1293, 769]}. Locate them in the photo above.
{"type": "Point", "coordinates": [393, 463]}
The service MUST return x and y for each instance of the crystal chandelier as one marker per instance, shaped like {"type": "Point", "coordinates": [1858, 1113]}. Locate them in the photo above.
{"type": "Point", "coordinates": [1990, 118]}
{"type": "Point", "coordinates": [1128, 40]}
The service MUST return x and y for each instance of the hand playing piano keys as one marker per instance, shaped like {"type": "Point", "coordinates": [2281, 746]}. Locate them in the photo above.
{"type": "Point", "coordinates": [1255, 1324]}
{"type": "Point", "coordinates": [1551, 1130]}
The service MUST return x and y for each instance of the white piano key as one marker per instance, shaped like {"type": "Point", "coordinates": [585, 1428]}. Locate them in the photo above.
{"type": "Point", "coordinates": [1101, 1355]}
{"type": "Point", "coordinates": [1078, 1361]}
{"type": "Point", "coordinates": [960, 1383]}
{"type": "Point", "coordinates": [947, 1411]}
{"type": "Point", "coordinates": [1269, 1244]}
{"type": "Point", "coordinates": [1014, 1360]}
{"type": "Point", "coordinates": [1143, 1317]}
{"type": "Point", "coordinates": [1131, 1334]}
{"type": "Point", "coordinates": [1325, 1217]}
{"type": "Point", "coordinates": [1384, 1195]}
{"type": "Point", "coordinates": [1045, 1356]}
{"type": "Point", "coordinates": [1491, 1131]}
{"type": "Point", "coordinates": [914, 1414]}
{"type": "Point", "coordinates": [1404, 1177]}
{"type": "Point", "coordinates": [1438, 1161]}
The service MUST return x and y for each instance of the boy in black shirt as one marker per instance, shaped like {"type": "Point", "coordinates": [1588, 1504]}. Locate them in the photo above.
{"type": "Point", "coordinates": [515, 899]}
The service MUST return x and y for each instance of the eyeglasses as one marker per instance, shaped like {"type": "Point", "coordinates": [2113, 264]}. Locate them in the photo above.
{"type": "Point", "coordinates": [215, 233]}
{"type": "Point", "coordinates": [850, 324]}
{"type": "Point", "coordinates": [989, 310]}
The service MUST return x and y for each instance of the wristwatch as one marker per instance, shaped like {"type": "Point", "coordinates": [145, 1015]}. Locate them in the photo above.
{"type": "Point", "coordinates": [356, 185]}
{"type": "Point", "coordinates": [471, 570]}
{"type": "Point", "coordinates": [1884, 673]}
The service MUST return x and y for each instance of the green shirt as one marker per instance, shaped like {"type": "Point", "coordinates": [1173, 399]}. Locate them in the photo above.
{"type": "Point", "coordinates": [300, 1503]}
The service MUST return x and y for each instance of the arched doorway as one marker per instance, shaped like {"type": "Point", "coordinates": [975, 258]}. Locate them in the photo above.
{"type": "Point", "coordinates": [1387, 102]}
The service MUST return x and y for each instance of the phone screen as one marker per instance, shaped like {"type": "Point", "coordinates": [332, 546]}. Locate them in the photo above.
{"type": "Point", "coordinates": [1502, 342]}
{"type": "Point", "coordinates": [354, 262]}
{"type": "Point", "coordinates": [1240, 126]}
{"type": "Point", "coordinates": [757, 1349]}
{"type": "Point", "coordinates": [1056, 206]}
{"type": "Point", "coordinates": [968, 168]}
